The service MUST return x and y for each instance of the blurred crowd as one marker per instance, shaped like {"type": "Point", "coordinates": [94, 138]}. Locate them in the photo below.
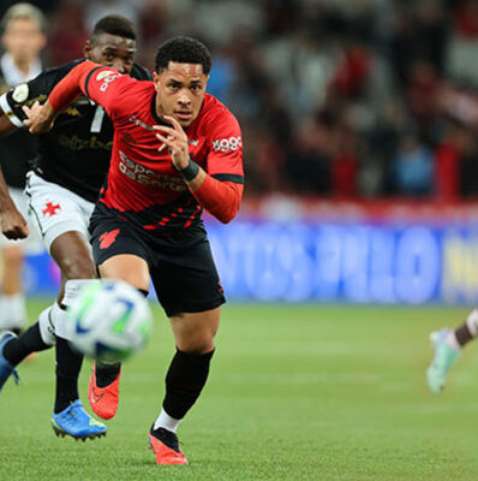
{"type": "Point", "coordinates": [338, 98]}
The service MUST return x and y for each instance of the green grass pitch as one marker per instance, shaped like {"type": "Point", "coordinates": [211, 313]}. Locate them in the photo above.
{"type": "Point", "coordinates": [296, 393]}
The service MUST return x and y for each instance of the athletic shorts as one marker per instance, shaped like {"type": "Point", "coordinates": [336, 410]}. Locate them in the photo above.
{"type": "Point", "coordinates": [181, 265]}
{"type": "Point", "coordinates": [33, 243]}
{"type": "Point", "coordinates": [56, 210]}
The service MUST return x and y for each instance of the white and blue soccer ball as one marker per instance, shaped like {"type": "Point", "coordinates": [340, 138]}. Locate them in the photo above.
{"type": "Point", "coordinates": [109, 320]}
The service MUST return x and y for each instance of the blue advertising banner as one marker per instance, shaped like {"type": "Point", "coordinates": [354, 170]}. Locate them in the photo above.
{"type": "Point", "coordinates": [362, 263]}
{"type": "Point", "coordinates": [331, 262]}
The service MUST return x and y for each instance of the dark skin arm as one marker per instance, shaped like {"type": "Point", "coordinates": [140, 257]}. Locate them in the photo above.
{"type": "Point", "coordinates": [12, 224]}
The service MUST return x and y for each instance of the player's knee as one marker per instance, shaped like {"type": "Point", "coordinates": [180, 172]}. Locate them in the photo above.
{"type": "Point", "coordinates": [197, 348]}
{"type": "Point", "coordinates": [77, 267]}
{"type": "Point", "coordinates": [132, 278]}
{"type": "Point", "coordinates": [127, 268]}
{"type": "Point", "coordinates": [196, 343]}
{"type": "Point", "coordinates": [195, 333]}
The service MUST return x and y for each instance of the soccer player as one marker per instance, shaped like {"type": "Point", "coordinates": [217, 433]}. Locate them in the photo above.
{"type": "Point", "coordinates": [64, 185]}
{"type": "Point", "coordinates": [176, 151]}
{"type": "Point", "coordinates": [23, 39]}
{"type": "Point", "coordinates": [448, 344]}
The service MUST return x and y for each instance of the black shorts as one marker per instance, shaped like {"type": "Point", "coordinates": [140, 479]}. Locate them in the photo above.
{"type": "Point", "coordinates": [182, 269]}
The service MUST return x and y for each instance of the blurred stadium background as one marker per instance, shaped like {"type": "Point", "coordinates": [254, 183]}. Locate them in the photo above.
{"type": "Point", "coordinates": [359, 120]}
{"type": "Point", "coordinates": [360, 123]}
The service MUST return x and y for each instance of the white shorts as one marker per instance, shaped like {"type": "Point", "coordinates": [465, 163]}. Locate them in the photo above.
{"type": "Point", "coordinates": [33, 243]}
{"type": "Point", "coordinates": [56, 210]}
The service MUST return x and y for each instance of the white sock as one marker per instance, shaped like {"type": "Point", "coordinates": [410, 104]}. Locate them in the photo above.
{"type": "Point", "coordinates": [13, 311]}
{"type": "Point", "coordinates": [72, 288]}
{"type": "Point", "coordinates": [166, 421]}
{"type": "Point", "coordinates": [452, 341]}
{"type": "Point", "coordinates": [472, 322]}
{"type": "Point", "coordinates": [47, 328]}
{"type": "Point", "coordinates": [58, 318]}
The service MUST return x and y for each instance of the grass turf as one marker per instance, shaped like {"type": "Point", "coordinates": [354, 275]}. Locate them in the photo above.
{"type": "Point", "coordinates": [296, 393]}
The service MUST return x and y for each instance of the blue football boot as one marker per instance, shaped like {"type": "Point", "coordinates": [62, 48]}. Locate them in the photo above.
{"type": "Point", "coordinates": [74, 421]}
{"type": "Point", "coordinates": [6, 369]}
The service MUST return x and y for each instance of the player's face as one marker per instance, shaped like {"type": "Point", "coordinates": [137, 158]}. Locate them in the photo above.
{"type": "Point", "coordinates": [180, 91]}
{"type": "Point", "coordinates": [23, 39]}
{"type": "Point", "coordinates": [112, 51]}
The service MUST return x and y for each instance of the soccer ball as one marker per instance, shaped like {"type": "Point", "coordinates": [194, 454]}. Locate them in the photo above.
{"type": "Point", "coordinates": [109, 320]}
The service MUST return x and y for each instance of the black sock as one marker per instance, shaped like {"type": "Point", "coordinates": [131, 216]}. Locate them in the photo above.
{"type": "Point", "coordinates": [68, 366]}
{"type": "Point", "coordinates": [463, 335]}
{"type": "Point", "coordinates": [30, 341]}
{"type": "Point", "coordinates": [187, 375]}
{"type": "Point", "coordinates": [106, 373]}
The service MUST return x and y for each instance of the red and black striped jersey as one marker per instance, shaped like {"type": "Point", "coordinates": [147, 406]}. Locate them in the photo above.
{"type": "Point", "coordinates": [141, 177]}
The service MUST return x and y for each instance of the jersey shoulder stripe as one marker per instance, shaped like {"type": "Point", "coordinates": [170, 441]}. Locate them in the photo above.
{"type": "Point", "coordinates": [236, 179]}
{"type": "Point", "coordinates": [88, 78]}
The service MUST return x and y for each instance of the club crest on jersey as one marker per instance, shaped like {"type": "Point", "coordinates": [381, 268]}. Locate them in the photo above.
{"type": "Point", "coordinates": [107, 76]}
{"type": "Point", "coordinates": [20, 94]}
{"type": "Point", "coordinates": [108, 238]}
{"type": "Point", "coordinates": [103, 74]}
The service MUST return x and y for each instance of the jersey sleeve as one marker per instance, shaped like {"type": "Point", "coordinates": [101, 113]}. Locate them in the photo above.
{"type": "Point", "coordinates": [225, 160]}
{"type": "Point", "coordinates": [37, 89]}
{"type": "Point", "coordinates": [108, 88]}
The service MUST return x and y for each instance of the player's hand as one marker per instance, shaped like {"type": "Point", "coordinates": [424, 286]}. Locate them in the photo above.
{"type": "Point", "coordinates": [40, 118]}
{"type": "Point", "coordinates": [176, 140]}
{"type": "Point", "coordinates": [13, 224]}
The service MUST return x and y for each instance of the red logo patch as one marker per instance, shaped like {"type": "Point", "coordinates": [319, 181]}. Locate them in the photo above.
{"type": "Point", "coordinates": [108, 238]}
{"type": "Point", "coordinates": [50, 209]}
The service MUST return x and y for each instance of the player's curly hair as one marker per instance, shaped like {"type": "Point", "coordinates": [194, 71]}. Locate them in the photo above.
{"type": "Point", "coordinates": [114, 25]}
{"type": "Point", "coordinates": [183, 50]}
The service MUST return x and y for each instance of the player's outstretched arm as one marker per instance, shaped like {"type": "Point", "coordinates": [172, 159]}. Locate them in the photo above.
{"type": "Point", "coordinates": [40, 119]}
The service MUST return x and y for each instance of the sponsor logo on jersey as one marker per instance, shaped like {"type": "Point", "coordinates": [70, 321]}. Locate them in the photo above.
{"type": "Point", "coordinates": [230, 144]}
{"type": "Point", "coordinates": [141, 174]}
{"type": "Point", "coordinates": [72, 112]}
{"type": "Point", "coordinates": [20, 94]}
{"type": "Point", "coordinates": [76, 143]}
